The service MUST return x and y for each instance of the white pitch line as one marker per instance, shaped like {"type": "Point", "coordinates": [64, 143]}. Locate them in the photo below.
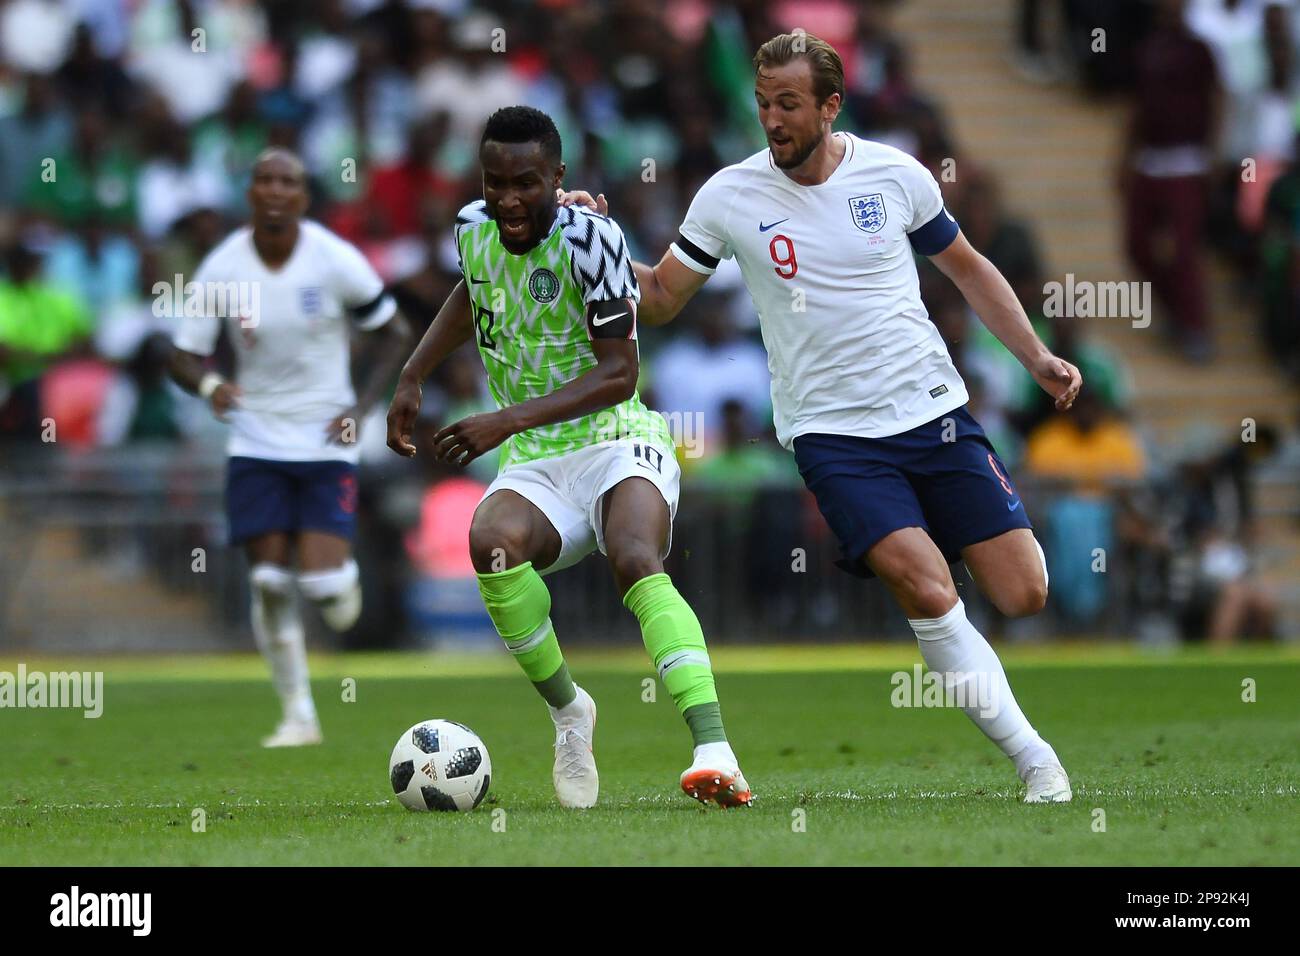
{"type": "Point", "coordinates": [851, 795]}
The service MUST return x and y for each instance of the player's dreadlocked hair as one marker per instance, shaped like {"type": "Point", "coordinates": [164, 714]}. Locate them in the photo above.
{"type": "Point", "coordinates": [523, 124]}
{"type": "Point", "coordinates": [827, 70]}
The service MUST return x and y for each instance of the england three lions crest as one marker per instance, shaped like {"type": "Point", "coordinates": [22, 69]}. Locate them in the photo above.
{"type": "Point", "coordinates": [868, 212]}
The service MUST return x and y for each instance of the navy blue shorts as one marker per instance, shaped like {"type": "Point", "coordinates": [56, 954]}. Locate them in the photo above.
{"type": "Point", "coordinates": [957, 490]}
{"type": "Point", "coordinates": [264, 496]}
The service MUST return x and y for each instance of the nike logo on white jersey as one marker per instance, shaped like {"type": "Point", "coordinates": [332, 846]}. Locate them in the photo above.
{"type": "Point", "coordinates": [607, 319]}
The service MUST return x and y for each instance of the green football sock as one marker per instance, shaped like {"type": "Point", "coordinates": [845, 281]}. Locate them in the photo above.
{"type": "Point", "coordinates": [675, 642]}
{"type": "Point", "coordinates": [520, 606]}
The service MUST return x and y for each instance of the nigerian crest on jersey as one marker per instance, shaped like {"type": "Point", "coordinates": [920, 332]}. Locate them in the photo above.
{"type": "Point", "coordinates": [543, 285]}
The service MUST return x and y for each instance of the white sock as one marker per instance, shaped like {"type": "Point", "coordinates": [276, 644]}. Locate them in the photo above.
{"type": "Point", "coordinates": [717, 754]}
{"type": "Point", "coordinates": [574, 710]}
{"type": "Point", "coordinates": [337, 592]}
{"type": "Point", "coordinates": [950, 645]}
{"type": "Point", "coordinates": [277, 627]}
{"type": "Point", "coordinates": [1037, 754]}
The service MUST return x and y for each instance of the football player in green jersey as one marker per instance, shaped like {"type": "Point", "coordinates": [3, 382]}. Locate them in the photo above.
{"type": "Point", "coordinates": [549, 297]}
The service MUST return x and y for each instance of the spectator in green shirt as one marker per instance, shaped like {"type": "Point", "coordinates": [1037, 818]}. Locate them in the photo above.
{"type": "Point", "coordinates": [39, 323]}
{"type": "Point", "coordinates": [745, 463]}
{"type": "Point", "coordinates": [41, 129]}
{"type": "Point", "coordinates": [94, 178]}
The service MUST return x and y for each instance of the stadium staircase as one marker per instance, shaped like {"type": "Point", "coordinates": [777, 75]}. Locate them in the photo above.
{"type": "Point", "coordinates": [96, 554]}
{"type": "Point", "coordinates": [1054, 152]}
{"type": "Point", "coordinates": [52, 583]}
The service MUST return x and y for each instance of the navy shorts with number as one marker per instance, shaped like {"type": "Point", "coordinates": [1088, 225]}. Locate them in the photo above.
{"type": "Point", "coordinates": [957, 490]}
{"type": "Point", "coordinates": [264, 496]}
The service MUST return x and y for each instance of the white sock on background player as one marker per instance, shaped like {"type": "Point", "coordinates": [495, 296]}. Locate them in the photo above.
{"type": "Point", "coordinates": [336, 591]}
{"type": "Point", "coordinates": [278, 630]}
{"type": "Point", "coordinates": [951, 645]}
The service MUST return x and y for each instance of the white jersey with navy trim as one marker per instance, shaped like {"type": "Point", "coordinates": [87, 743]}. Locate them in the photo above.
{"type": "Point", "coordinates": [830, 268]}
{"type": "Point", "coordinates": [290, 329]}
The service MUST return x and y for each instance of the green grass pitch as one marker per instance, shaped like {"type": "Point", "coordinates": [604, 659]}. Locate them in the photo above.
{"type": "Point", "coordinates": [1185, 771]}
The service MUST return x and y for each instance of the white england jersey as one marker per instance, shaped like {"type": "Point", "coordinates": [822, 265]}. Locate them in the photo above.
{"type": "Point", "coordinates": [290, 329]}
{"type": "Point", "coordinates": [830, 268]}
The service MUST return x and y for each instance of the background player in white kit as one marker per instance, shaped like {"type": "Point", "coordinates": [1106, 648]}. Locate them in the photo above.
{"type": "Point", "coordinates": [291, 488]}
{"type": "Point", "coordinates": [823, 226]}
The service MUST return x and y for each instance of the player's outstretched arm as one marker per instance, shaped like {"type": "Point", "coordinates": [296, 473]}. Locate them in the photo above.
{"type": "Point", "coordinates": [451, 328]}
{"type": "Point", "coordinates": [665, 289]}
{"type": "Point", "coordinates": [993, 300]}
{"type": "Point", "coordinates": [612, 380]}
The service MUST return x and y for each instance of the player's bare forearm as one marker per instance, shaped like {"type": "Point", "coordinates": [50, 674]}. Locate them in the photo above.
{"type": "Point", "coordinates": [394, 339]}
{"type": "Point", "coordinates": [665, 289]}
{"type": "Point", "coordinates": [612, 380]}
{"type": "Point", "coordinates": [186, 370]}
{"type": "Point", "coordinates": [451, 328]}
{"type": "Point", "coordinates": [653, 309]}
{"type": "Point", "coordinates": [993, 300]}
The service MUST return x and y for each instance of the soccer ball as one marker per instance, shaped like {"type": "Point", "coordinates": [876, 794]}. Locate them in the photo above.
{"type": "Point", "coordinates": [440, 765]}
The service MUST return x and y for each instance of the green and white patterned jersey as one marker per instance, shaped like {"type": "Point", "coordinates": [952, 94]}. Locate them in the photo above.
{"type": "Point", "coordinates": [530, 318]}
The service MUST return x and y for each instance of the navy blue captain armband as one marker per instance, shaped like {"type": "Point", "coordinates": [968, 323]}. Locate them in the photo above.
{"type": "Point", "coordinates": [936, 235]}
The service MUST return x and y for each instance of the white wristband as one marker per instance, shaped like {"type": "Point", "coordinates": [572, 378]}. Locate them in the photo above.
{"type": "Point", "coordinates": [208, 384]}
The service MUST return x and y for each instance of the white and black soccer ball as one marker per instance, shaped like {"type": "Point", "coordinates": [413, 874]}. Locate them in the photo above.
{"type": "Point", "coordinates": [440, 765]}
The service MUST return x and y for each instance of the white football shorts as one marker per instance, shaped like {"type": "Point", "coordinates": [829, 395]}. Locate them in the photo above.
{"type": "Point", "coordinates": [568, 490]}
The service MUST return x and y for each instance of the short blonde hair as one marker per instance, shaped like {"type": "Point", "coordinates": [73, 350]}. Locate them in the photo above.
{"type": "Point", "coordinates": [827, 69]}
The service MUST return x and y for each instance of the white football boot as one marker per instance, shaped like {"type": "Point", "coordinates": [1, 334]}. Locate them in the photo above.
{"type": "Point", "coordinates": [715, 775]}
{"type": "Point", "coordinates": [1047, 785]}
{"type": "Point", "coordinates": [576, 781]}
{"type": "Point", "coordinates": [295, 733]}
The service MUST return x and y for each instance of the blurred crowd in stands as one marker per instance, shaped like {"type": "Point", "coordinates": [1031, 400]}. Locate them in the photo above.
{"type": "Point", "coordinates": [127, 129]}
{"type": "Point", "coordinates": [1209, 156]}
{"type": "Point", "coordinates": [1208, 178]}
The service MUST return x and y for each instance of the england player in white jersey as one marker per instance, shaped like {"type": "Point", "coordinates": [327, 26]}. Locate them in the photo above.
{"type": "Point", "coordinates": [290, 295]}
{"type": "Point", "coordinates": [824, 226]}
